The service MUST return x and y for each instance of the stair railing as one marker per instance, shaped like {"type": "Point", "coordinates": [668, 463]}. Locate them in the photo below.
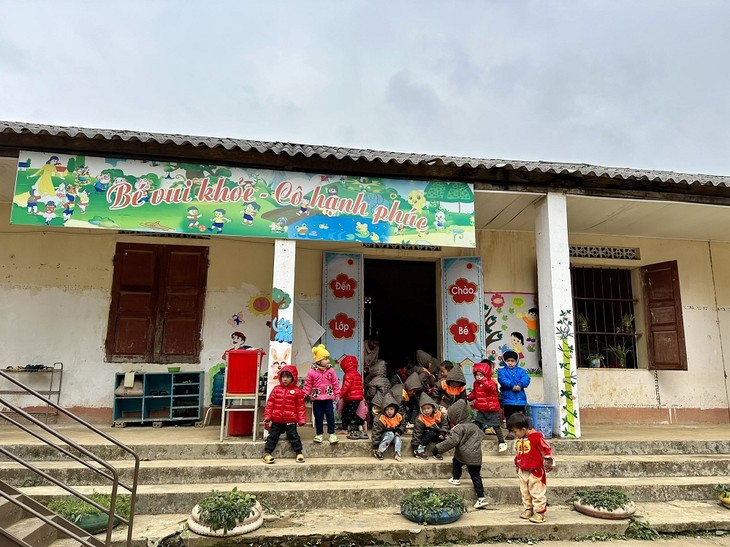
{"type": "Point", "coordinates": [111, 473]}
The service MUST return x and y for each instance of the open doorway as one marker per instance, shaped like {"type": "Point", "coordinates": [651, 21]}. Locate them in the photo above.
{"type": "Point", "coordinates": [400, 306]}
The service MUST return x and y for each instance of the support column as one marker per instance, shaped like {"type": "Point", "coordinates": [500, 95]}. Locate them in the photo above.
{"type": "Point", "coordinates": [282, 310]}
{"type": "Point", "coordinates": [557, 347]}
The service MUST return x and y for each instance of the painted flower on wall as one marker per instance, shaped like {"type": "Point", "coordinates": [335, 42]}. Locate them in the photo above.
{"type": "Point", "coordinates": [497, 300]}
{"type": "Point", "coordinates": [342, 326]}
{"type": "Point", "coordinates": [464, 331]}
{"type": "Point", "coordinates": [463, 291]}
{"type": "Point", "coordinates": [259, 305]}
{"type": "Point", "coordinates": [343, 286]}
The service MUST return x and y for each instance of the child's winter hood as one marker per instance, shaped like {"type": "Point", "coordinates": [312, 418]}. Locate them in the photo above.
{"type": "Point", "coordinates": [456, 375]}
{"type": "Point", "coordinates": [291, 369]}
{"type": "Point", "coordinates": [458, 412]}
{"type": "Point", "coordinates": [348, 363]}
{"type": "Point", "coordinates": [379, 368]}
{"type": "Point", "coordinates": [426, 400]}
{"type": "Point", "coordinates": [484, 368]}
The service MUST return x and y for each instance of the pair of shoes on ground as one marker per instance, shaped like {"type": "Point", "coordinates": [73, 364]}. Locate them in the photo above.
{"type": "Point", "coordinates": [454, 482]}
{"type": "Point", "coordinates": [319, 438]}
{"type": "Point", "coordinates": [354, 435]}
{"type": "Point", "coordinates": [378, 454]}
{"type": "Point", "coordinates": [269, 459]}
{"type": "Point", "coordinates": [537, 518]}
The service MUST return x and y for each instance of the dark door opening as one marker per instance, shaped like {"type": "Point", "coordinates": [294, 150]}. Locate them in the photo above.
{"type": "Point", "coordinates": [400, 306]}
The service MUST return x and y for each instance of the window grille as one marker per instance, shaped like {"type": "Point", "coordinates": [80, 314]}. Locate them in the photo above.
{"type": "Point", "coordinates": [588, 251]}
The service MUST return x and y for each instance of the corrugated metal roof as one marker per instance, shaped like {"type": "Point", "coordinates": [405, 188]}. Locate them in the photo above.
{"type": "Point", "coordinates": [366, 155]}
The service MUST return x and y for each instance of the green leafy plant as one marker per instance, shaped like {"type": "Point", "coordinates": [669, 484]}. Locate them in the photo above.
{"type": "Point", "coordinates": [593, 357]}
{"type": "Point", "coordinates": [582, 321]}
{"type": "Point", "coordinates": [609, 499]}
{"type": "Point", "coordinates": [627, 322]}
{"type": "Point", "coordinates": [224, 510]}
{"type": "Point", "coordinates": [641, 529]}
{"type": "Point", "coordinates": [426, 501]}
{"type": "Point", "coordinates": [620, 351]}
{"type": "Point", "coordinates": [73, 509]}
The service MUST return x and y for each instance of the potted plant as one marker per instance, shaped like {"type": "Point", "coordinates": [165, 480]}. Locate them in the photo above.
{"type": "Point", "coordinates": [723, 494]}
{"type": "Point", "coordinates": [605, 503]}
{"type": "Point", "coordinates": [582, 322]}
{"type": "Point", "coordinates": [226, 514]}
{"type": "Point", "coordinates": [627, 323]}
{"type": "Point", "coordinates": [620, 351]}
{"type": "Point", "coordinates": [595, 360]}
{"type": "Point", "coordinates": [86, 516]}
{"type": "Point", "coordinates": [428, 506]}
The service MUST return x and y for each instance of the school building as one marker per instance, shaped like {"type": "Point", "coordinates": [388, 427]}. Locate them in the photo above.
{"type": "Point", "coordinates": [130, 251]}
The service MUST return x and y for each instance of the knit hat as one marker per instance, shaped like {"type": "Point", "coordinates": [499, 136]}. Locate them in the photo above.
{"type": "Point", "coordinates": [319, 352]}
{"type": "Point", "coordinates": [510, 353]}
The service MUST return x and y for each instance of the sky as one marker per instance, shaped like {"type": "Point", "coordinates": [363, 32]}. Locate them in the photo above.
{"type": "Point", "coordinates": [627, 83]}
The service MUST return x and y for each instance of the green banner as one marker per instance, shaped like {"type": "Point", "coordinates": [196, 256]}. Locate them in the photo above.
{"type": "Point", "coordinates": [122, 194]}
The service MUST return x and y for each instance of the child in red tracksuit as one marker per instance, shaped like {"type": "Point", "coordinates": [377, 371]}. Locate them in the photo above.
{"type": "Point", "coordinates": [352, 394]}
{"type": "Point", "coordinates": [534, 458]}
{"type": "Point", "coordinates": [284, 411]}
{"type": "Point", "coordinates": [486, 402]}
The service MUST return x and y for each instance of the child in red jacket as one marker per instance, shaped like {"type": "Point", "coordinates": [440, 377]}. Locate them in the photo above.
{"type": "Point", "coordinates": [352, 394]}
{"type": "Point", "coordinates": [284, 411]}
{"type": "Point", "coordinates": [534, 458]}
{"type": "Point", "coordinates": [486, 402]}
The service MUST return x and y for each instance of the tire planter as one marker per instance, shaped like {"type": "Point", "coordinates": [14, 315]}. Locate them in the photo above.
{"type": "Point", "coordinates": [724, 501]}
{"type": "Point", "coordinates": [253, 522]}
{"type": "Point", "coordinates": [94, 524]}
{"type": "Point", "coordinates": [617, 514]}
{"type": "Point", "coordinates": [441, 517]}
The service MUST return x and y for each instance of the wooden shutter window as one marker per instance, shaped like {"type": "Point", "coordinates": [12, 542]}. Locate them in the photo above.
{"type": "Point", "coordinates": [665, 327]}
{"type": "Point", "coordinates": [156, 312]}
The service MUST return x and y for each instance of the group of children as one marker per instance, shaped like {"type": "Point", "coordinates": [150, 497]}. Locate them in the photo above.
{"type": "Point", "coordinates": [434, 409]}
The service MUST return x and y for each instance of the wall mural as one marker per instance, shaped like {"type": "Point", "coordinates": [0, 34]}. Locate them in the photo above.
{"type": "Point", "coordinates": [568, 404]}
{"type": "Point", "coordinates": [65, 190]}
{"type": "Point", "coordinates": [511, 323]}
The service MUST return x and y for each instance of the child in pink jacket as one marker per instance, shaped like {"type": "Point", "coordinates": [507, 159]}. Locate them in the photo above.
{"type": "Point", "coordinates": [323, 388]}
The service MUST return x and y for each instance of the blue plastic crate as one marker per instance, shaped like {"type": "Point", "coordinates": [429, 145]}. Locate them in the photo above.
{"type": "Point", "coordinates": [542, 417]}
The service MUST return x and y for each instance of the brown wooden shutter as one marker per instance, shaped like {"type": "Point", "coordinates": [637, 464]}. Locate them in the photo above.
{"type": "Point", "coordinates": [182, 297]}
{"type": "Point", "coordinates": [664, 324]}
{"type": "Point", "coordinates": [130, 330]}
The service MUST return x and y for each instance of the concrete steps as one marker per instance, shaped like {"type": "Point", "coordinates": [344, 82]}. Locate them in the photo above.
{"type": "Point", "coordinates": [363, 467]}
{"type": "Point", "coordinates": [368, 526]}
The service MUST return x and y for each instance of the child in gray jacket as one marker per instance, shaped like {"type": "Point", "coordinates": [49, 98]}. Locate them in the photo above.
{"type": "Point", "coordinates": [466, 437]}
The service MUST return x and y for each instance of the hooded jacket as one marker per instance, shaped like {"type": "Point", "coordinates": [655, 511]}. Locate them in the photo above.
{"type": "Point", "coordinates": [509, 378]}
{"type": "Point", "coordinates": [484, 394]}
{"type": "Point", "coordinates": [437, 422]}
{"type": "Point", "coordinates": [465, 436]}
{"type": "Point", "coordinates": [446, 395]}
{"type": "Point", "coordinates": [321, 385]}
{"type": "Point", "coordinates": [376, 383]}
{"type": "Point", "coordinates": [351, 381]}
{"type": "Point", "coordinates": [396, 424]}
{"type": "Point", "coordinates": [286, 403]}
{"type": "Point", "coordinates": [427, 361]}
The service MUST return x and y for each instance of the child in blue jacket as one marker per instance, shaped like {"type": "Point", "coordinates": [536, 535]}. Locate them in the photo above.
{"type": "Point", "coordinates": [513, 380]}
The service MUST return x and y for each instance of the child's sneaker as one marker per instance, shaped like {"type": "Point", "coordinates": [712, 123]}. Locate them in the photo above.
{"type": "Point", "coordinates": [318, 438]}
{"type": "Point", "coordinates": [537, 518]}
{"type": "Point", "coordinates": [454, 482]}
{"type": "Point", "coordinates": [438, 456]}
{"type": "Point", "coordinates": [268, 458]}
{"type": "Point", "coordinates": [378, 454]}
{"type": "Point", "coordinates": [353, 435]}
{"type": "Point", "coordinates": [502, 447]}
{"type": "Point", "coordinates": [333, 439]}
{"type": "Point", "coordinates": [420, 454]}
{"type": "Point", "coordinates": [481, 502]}
{"type": "Point", "coordinates": [397, 457]}
{"type": "Point", "coordinates": [526, 514]}
{"type": "Point", "coordinates": [300, 458]}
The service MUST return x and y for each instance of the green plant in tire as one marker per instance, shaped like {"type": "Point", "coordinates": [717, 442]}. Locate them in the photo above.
{"type": "Point", "coordinates": [224, 510]}
{"type": "Point", "coordinates": [609, 499]}
{"type": "Point", "coordinates": [426, 501]}
{"type": "Point", "coordinates": [73, 509]}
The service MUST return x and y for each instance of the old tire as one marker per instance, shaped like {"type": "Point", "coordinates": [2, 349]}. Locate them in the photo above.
{"type": "Point", "coordinates": [253, 522]}
{"type": "Point", "coordinates": [617, 514]}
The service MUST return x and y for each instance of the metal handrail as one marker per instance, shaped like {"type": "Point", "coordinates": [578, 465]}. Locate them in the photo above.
{"type": "Point", "coordinates": [113, 476]}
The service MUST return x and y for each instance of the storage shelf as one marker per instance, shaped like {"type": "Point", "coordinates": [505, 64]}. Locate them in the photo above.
{"type": "Point", "coordinates": [54, 373]}
{"type": "Point", "coordinates": [157, 409]}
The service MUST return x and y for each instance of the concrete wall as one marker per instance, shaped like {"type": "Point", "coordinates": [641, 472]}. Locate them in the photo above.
{"type": "Point", "coordinates": [55, 292]}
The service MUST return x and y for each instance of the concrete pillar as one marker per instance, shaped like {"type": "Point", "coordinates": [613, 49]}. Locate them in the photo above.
{"type": "Point", "coordinates": [557, 345]}
{"type": "Point", "coordinates": [282, 310]}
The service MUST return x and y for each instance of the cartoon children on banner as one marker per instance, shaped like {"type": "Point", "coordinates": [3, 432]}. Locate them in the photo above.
{"type": "Point", "coordinates": [507, 319]}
